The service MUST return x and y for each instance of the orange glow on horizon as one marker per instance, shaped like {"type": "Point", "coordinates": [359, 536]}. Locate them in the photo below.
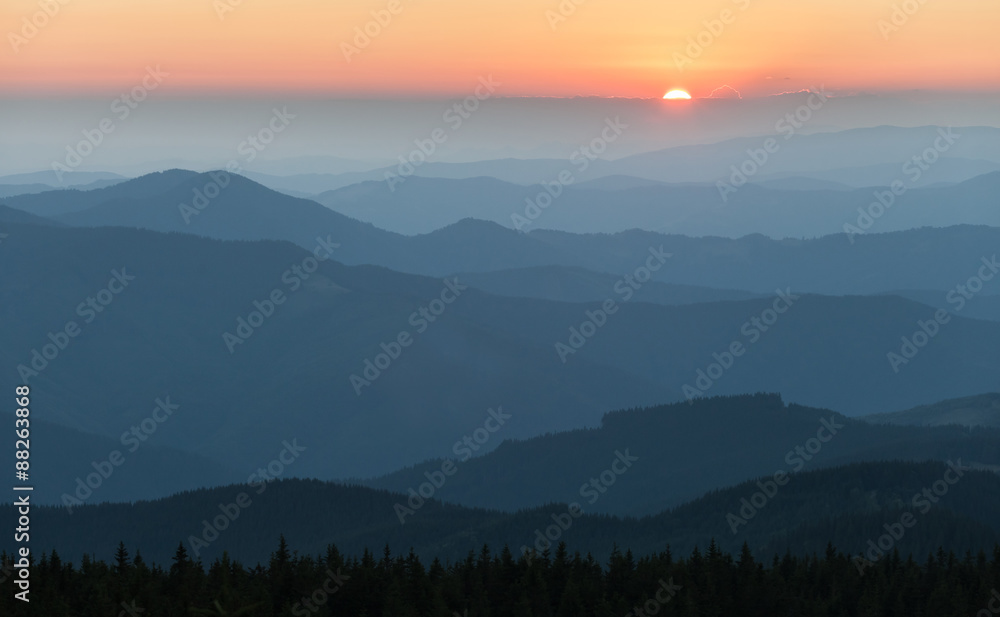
{"type": "Point", "coordinates": [630, 48]}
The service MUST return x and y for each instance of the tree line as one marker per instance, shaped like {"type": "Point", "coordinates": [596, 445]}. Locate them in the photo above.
{"type": "Point", "coordinates": [708, 583]}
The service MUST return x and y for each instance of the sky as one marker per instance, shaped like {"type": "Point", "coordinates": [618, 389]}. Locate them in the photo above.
{"type": "Point", "coordinates": [535, 48]}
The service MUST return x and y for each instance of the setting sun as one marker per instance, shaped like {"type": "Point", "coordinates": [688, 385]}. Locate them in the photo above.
{"type": "Point", "coordinates": [677, 94]}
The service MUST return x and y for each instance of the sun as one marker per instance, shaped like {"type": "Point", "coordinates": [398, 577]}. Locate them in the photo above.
{"type": "Point", "coordinates": [677, 94]}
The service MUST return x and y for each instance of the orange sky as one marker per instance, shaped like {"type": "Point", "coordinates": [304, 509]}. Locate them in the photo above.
{"type": "Point", "coordinates": [626, 48]}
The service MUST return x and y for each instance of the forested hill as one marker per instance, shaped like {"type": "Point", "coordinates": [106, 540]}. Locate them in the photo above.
{"type": "Point", "coordinates": [685, 450]}
{"type": "Point", "coordinates": [846, 505]}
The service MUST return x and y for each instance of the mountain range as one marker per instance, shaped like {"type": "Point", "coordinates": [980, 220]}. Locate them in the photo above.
{"type": "Point", "coordinates": [846, 506]}
{"type": "Point", "coordinates": [422, 205]}
{"type": "Point", "coordinates": [295, 341]}
{"type": "Point", "coordinates": [926, 259]}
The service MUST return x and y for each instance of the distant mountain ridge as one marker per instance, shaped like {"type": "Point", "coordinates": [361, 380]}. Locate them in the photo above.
{"type": "Point", "coordinates": [972, 411]}
{"type": "Point", "coordinates": [750, 436]}
{"type": "Point", "coordinates": [859, 147]}
{"type": "Point", "coordinates": [60, 179]}
{"type": "Point", "coordinates": [164, 334]}
{"type": "Point", "coordinates": [845, 506]}
{"type": "Point", "coordinates": [775, 208]}
{"type": "Point", "coordinates": [12, 215]}
{"type": "Point", "coordinates": [567, 284]}
{"type": "Point", "coordinates": [927, 259]}
{"type": "Point", "coordinates": [858, 157]}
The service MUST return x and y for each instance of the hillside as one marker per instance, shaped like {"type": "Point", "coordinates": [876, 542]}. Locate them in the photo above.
{"type": "Point", "coordinates": [845, 506]}
{"type": "Point", "coordinates": [923, 259]}
{"type": "Point", "coordinates": [862, 147]}
{"type": "Point", "coordinates": [979, 306]}
{"type": "Point", "coordinates": [685, 451]}
{"type": "Point", "coordinates": [163, 335]}
{"type": "Point", "coordinates": [971, 411]}
{"type": "Point", "coordinates": [12, 215]}
{"type": "Point", "coordinates": [64, 462]}
{"type": "Point", "coordinates": [166, 335]}
{"type": "Point", "coordinates": [422, 205]}
{"type": "Point", "coordinates": [566, 284]}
